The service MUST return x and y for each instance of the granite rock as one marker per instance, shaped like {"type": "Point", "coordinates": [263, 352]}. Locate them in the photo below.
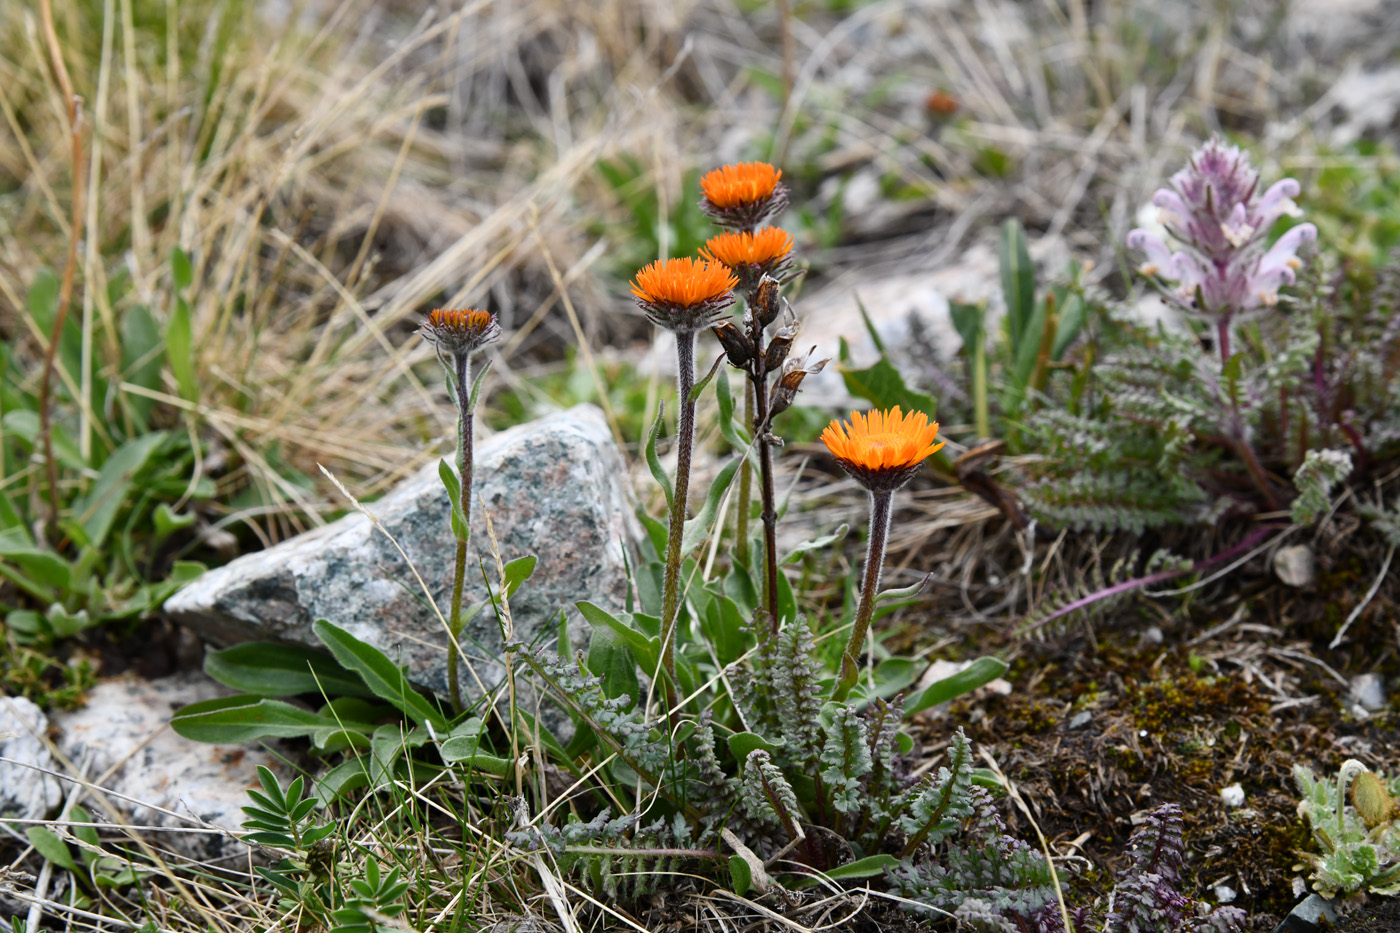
{"type": "Point", "coordinates": [25, 792]}
{"type": "Point", "coordinates": [121, 739]}
{"type": "Point", "coordinates": [556, 488]}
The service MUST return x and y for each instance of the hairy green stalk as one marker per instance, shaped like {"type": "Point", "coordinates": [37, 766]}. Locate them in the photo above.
{"type": "Point", "coordinates": [880, 512]}
{"type": "Point", "coordinates": [464, 471]}
{"type": "Point", "coordinates": [741, 527]}
{"type": "Point", "coordinates": [685, 439]}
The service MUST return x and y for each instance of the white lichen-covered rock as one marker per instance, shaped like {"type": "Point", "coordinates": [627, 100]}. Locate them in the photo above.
{"type": "Point", "coordinates": [161, 779]}
{"type": "Point", "coordinates": [26, 791]}
{"type": "Point", "coordinates": [555, 488]}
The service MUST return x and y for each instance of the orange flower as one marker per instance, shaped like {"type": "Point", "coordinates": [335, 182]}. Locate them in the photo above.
{"type": "Point", "coordinates": [743, 183]}
{"type": "Point", "coordinates": [684, 293]}
{"type": "Point", "coordinates": [460, 330]}
{"type": "Point", "coordinates": [882, 449]}
{"type": "Point", "coordinates": [742, 194]}
{"type": "Point", "coordinates": [766, 247]}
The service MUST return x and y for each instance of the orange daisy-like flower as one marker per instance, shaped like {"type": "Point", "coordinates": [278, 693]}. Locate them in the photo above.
{"type": "Point", "coordinates": [460, 330]}
{"type": "Point", "coordinates": [742, 194]}
{"type": "Point", "coordinates": [763, 250]}
{"type": "Point", "coordinates": [684, 293]}
{"type": "Point", "coordinates": [882, 449]}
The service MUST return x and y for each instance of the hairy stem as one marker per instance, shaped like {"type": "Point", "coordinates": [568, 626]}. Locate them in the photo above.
{"type": "Point", "coordinates": [464, 471]}
{"type": "Point", "coordinates": [1223, 329]}
{"type": "Point", "coordinates": [741, 529]}
{"type": "Point", "coordinates": [874, 559]}
{"type": "Point", "coordinates": [770, 509]}
{"type": "Point", "coordinates": [685, 438]}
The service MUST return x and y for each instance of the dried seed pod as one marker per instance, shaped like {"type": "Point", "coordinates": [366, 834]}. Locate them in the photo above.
{"type": "Point", "coordinates": [778, 349]}
{"type": "Point", "coordinates": [737, 346]}
{"type": "Point", "coordinates": [790, 381]}
{"type": "Point", "coordinates": [764, 302]}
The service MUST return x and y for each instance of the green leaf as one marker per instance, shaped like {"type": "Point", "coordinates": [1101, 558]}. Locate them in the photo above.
{"type": "Point", "coordinates": [179, 349]}
{"type": "Point", "coordinates": [230, 720]}
{"type": "Point", "coordinates": [168, 521]}
{"type": "Point", "coordinates": [870, 326]}
{"type": "Point", "coordinates": [476, 386]}
{"type": "Point", "coordinates": [1017, 283]}
{"type": "Point", "coordinates": [453, 485]}
{"type": "Point", "coordinates": [742, 743]}
{"type": "Point", "coordinates": [653, 461]}
{"type": "Point", "coordinates": [516, 572]}
{"type": "Point", "coordinates": [98, 509]}
{"type": "Point", "coordinates": [982, 671]}
{"type": "Point", "coordinates": [42, 568]}
{"type": "Point", "coordinates": [698, 528]}
{"type": "Point", "coordinates": [740, 877]}
{"type": "Point", "coordinates": [722, 624]}
{"type": "Point", "coordinates": [143, 356]}
{"type": "Point", "coordinates": [646, 649]}
{"type": "Point", "coordinates": [793, 556]}
{"type": "Point", "coordinates": [611, 659]}
{"type": "Point", "coordinates": [1028, 350]}
{"type": "Point", "coordinates": [868, 867]}
{"type": "Point", "coordinates": [699, 388]}
{"type": "Point", "coordinates": [382, 676]}
{"type": "Point", "coordinates": [883, 386]}
{"type": "Point", "coordinates": [180, 269]}
{"type": "Point", "coordinates": [735, 433]}
{"type": "Point", "coordinates": [970, 323]}
{"type": "Point", "coordinates": [52, 848]}
{"type": "Point", "coordinates": [273, 670]}
{"type": "Point", "coordinates": [1073, 313]}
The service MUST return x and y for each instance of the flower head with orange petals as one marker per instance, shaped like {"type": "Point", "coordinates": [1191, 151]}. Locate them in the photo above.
{"type": "Point", "coordinates": [882, 450]}
{"type": "Point", "coordinates": [460, 330]}
{"type": "Point", "coordinates": [684, 294]}
{"type": "Point", "coordinates": [742, 194]}
{"type": "Point", "coordinates": [751, 254]}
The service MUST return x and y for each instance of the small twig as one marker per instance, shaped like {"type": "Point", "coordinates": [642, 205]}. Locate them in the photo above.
{"type": "Point", "coordinates": [1365, 600]}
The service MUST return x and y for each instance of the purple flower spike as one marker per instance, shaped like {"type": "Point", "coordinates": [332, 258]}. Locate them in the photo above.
{"type": "Point", "coordinates": [1212, 213]}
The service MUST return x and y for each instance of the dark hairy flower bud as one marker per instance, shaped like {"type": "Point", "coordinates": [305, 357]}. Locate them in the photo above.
{"type": "Point", "coordinates": [737, 346]}
{"type": "Point", "coordinates": [764, 303]}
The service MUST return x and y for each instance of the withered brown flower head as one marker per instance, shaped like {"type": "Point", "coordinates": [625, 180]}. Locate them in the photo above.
{"type": "Point", "coordinates": [743, 194]}
{"type": "Point", "coordinates": [684, 294]}
{"type": "Point", "coordinates": [794, 370]}
{"type": "Point", "coordinates": [882, 450]}
{"type": "Point", "coordinates": [459, 331]}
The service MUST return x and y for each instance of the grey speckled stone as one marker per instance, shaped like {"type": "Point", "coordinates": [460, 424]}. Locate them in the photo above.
{"type": "Point", "coordinates": [24, 792]}
{"type": "Point", "coordinates": [125, 725]}
{"type": "Point", "coordinates": [556, 488]}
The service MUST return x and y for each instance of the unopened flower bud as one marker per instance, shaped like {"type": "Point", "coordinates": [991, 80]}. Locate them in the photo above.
{"type": "Point", "coordinates": [737, 346]}
{"type": "Point", "coordinates": [764, 303]}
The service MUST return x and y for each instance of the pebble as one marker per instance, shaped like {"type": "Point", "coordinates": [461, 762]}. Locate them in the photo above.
{"type": "Point", "coordinates": [1232, 795]}
{"type": "Point", "coordinates": [1368, 691]}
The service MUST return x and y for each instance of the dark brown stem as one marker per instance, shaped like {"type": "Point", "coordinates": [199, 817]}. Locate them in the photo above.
{"type": "Point", "coordinates": [464, 472]}
{"type": "Point", "coordinates": [1223, 329]}
{"type": "Point", "coordinates": [874, 559]}
{"type": "Point", "coordinates": [685, 438]}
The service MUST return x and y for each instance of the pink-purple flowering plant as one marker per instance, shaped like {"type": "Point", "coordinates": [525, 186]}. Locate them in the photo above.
{"type": "Point", "coordinates": [1219, 224]}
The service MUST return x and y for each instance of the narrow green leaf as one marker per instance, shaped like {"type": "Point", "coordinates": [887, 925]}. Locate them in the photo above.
{"type": "Point", "coordinates": [143, 357]}
{"type": "Point", "coordinates": [982, 671]}
{"type": "Point", "coordinates": [698, 528]}
{"type": "Point", "coordinates": [179, 349]}
{"type": "Point", "coordinates": [476, 386]}
{"type": "Point", "coordinates": [1017, 282]}
{"type": "Point", "coordinates": [230, 720]}
{"type": "Point", "coordinates": [969, 321]}
{"type": "Point", "coordinates": [653, 461]}
{"type": "Point", "coordinates": [735, 433]}
{"type": "Point", "coordinates": [793, 556]}
{"type": "Point", "coordinates": [699, 388]}
{"type": "Point", "coordinates": [453, 485]}
{"type": "Point", "coordinates": [870, 326]}
{"type": "Point", "coordinates": [98, 509]}
{"type": "Point", "coordinates": [180, 269]}
{"type": "Point", "coordinates": [1073, 314]}
{"type": "Point", "coordinates": [275, 670]}
{"type": "Point", "coordinates": [869, 867]}
{"type": "Point", "coordinates": [382, 676]}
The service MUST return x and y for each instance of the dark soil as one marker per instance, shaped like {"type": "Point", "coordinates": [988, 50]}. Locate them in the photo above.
{"type": "Point", "coordinates": [1104, 724]}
